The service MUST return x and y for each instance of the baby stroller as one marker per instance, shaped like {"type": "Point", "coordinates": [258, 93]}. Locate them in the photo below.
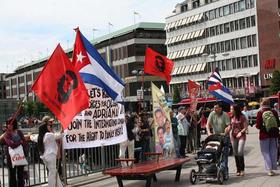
{"type": "Point", "coordinates": [209, 161]}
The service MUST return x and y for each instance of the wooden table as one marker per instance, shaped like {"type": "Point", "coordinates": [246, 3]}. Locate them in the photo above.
{"type": "Point", "coordinates": [147, 170]}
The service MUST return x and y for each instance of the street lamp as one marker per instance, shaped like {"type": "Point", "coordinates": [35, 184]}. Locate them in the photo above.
{"type": "Point", "coordinates": [138, 73]}
{"type": "Point", "coordinates": [93, 30]}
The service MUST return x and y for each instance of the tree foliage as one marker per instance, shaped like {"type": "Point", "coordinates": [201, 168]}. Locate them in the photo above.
{"type": "Point", "coordinates": [34, 108]}
{"type": "Point", "coordinates": [176, 95]}
{"type": "Point", "coordinates": [275, 82]}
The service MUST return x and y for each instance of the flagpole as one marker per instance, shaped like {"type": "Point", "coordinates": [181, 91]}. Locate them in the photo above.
{"type": "Point", "coordinates": [19, 107]}
{"type": "Point", "coordinates": [142, 87]}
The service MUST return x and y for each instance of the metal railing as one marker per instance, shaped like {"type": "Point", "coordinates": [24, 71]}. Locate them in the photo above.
{"type": "Point", "coordinates": [75, 163]}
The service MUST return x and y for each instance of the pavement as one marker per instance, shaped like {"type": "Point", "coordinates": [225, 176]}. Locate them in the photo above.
{"type": "Point", "coordinates": [255, 174]}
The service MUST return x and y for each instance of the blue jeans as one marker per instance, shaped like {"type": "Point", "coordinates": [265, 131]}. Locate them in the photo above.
{"type": "Point", "coordinates": [224, 162]}
{"type": "Point", "coordinates": [269, 147]}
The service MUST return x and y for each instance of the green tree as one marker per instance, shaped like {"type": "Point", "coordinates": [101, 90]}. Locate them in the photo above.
{"type": "Point", "coordinates": [275, 82]}
{"type": "Point", "coordinates": [176, 95]}
{"type": "Point", "coordinates": [29, 108]}
{"type": "Point", "coordinates": [34, 108]}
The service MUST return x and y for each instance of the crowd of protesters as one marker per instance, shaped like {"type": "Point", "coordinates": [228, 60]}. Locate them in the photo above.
{"type": "Point", "coordinates": [183, 131]}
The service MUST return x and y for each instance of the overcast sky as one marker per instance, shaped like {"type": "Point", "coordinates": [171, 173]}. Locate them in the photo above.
{"type": "Point", "coordinates": [31, 29]}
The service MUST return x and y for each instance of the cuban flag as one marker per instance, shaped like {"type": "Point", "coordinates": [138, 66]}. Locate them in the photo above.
{"type": "Point", "coordinates": [93, 68]}
{"type": "Point", "coordinates": [217, 89]}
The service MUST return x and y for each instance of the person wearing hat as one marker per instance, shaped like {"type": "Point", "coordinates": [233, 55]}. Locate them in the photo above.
{"type": "Point", "coordinates": [48, 149]}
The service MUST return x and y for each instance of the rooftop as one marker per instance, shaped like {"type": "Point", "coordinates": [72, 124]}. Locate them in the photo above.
{"type": "Point", "coordinates": [141, 25]}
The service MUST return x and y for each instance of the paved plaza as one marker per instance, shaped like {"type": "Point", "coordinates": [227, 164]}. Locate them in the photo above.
{"type": "Point", "coordinates": [255, 174]}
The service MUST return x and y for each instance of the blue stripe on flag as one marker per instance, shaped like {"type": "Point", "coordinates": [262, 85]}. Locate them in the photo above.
{"type": "Point", "coordinates": [94, 53]}
{"type": "Point", "coordinates": [224, 93]}
{"type": "Point", "coordinates": [92, 79]}
{"type": "Point", "coordinates": [216, 77]}
{"type": "Point", "coordinates": [220, 97]}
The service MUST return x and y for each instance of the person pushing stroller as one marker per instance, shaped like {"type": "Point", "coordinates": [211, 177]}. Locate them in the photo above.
{"type": "Point", "coordinates": [219, 121]}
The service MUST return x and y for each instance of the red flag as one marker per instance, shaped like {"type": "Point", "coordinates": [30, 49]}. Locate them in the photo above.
{"type": "Point", "coordinates": [60, 87]}
{"type": "Point", "coordinates": [193, 88]}
{"type": "Point", "coordinates": [158, 65]}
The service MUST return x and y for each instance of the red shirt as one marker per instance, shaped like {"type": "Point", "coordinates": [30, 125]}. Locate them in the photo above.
{"type": "Point", "coordinates": [263, 134]}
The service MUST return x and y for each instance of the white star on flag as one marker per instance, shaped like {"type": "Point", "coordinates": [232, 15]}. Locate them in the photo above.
{"type": "Point", "coordinates": [80, 57]}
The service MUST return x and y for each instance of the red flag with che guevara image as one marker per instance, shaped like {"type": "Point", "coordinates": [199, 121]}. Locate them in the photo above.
{"type": "Point", "coordinates": [158, 65]}
{"type": "Point", "coordinates": [60, 87]}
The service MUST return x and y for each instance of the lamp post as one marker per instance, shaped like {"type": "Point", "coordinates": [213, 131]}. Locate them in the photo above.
{"type": "Point", "coordinates": [138, 73]}
{"type": "Point", "coordinates": [93, 30]}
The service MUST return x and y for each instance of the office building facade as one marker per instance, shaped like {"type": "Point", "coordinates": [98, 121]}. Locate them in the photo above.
{"type": "Point", "coordinates": [123, 50]}
{"type": "Point", "coordinates": [240, 37]}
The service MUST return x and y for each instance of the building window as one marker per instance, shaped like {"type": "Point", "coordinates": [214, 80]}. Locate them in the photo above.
{"type": "Point", "coordinates": [238, 63]}
{"type": "Point", "coordinates": [232, 44]}
{"type": "Point", "coordinates": [248, 22]}
{"type": "Point", "coordinates": [223, 64]}
{"type": "Point", "coordinates": [255, 59]}
{"type": "Point", "coordinates": [227, 45]}
{"type": "Point", "coordinates": [250, 64]}
{"type": "Point", "coordinates": [212, 14]}
{"type": "Point", "coordinates": [218, 47]}
{"type": "Point", "coordinates": [234, 63]}
{"type": "Point", "coordinates": [244, 62]}
{"type": "Point", "coordinates": [184, 8]}
{"type": "Point", "coordinates": [196, 3]}
{"type": "Point", "coordinates": [228, 64]}
{"type": "Point", "coordinates": [236, 25]}
{"type": "Point", "coordinates": [254, 40]}
{"type": "Point", "coordinates": [242, 5]}
{"type": "Point", "coordinates": [226, 10]}
{"type": "Point", "coordinates": [226, 27]}
{"type": "Point", "coordinates": [217, 12]}
{"type": "Point", "coordinates": [221, 10]}
{"type": "Point", "coordinates": [222, 28]}
{"type": "Point", "coordinates": [234, 83]}
{"type": "Point", "coordinates": [231, 26]}
{"type": "Point", "coordinates": [217, 29]}
{"type": "Point", "coordinates": [252, 3]}
{"type": "Point", "coordinates": [253, 21]}
{"type": "Point", "coordinates": [231, 8]}
{"type": "Point", "coordinates": [212, 31]}
{"type": "Point", "coordinates": [237, 45]}
{"type": "Point", "coordinates": [242, 23]}
{"type": "Point", "coordinates": [213, 49]}
{"type": "Point", "coordinates": [222, 46]}
{"type": "Point", "coordinates": [243, 42]}
{"type": "Point", "coordinates": [236, 7]}
{"type": "Point", "coordinates": [249, 41]}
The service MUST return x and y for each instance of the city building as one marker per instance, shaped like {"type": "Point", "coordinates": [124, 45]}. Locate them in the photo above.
{"type": "Point", "coordinates": [240, 37]}
{"type": "Point", "coordinates": [2, 86]}
{"type": "Point", "coordinates": [123, 50]}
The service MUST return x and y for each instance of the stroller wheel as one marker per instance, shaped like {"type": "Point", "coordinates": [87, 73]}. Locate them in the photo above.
{"type": "Point", "coordinates": [193, 176]}
{"type": "Point", "coordinates": [220, 176]}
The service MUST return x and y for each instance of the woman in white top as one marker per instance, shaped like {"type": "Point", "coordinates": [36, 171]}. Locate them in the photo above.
{"type": "Point", "coordinates": [48, 150]}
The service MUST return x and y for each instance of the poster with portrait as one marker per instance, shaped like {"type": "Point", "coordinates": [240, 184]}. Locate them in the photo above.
{"type": "Point", "coordinates": [162, 125]}
{"type": "Point", "coordinates": [102, 124]}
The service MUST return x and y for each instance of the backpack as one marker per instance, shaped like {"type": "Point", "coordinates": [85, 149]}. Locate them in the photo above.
{"type": "Point", "coordinates": [270, 123]}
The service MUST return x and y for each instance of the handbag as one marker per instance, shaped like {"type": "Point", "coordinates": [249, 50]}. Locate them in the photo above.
{"type": "Point", "coordinates": [17, 156]}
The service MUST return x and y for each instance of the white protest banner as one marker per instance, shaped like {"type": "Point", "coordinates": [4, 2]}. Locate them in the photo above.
{"type": "Point", "coordinates": [102, 124]}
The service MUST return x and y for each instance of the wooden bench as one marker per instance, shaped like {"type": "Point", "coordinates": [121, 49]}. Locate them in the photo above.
{"type": "Point", "coordinates": [147, 170]}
